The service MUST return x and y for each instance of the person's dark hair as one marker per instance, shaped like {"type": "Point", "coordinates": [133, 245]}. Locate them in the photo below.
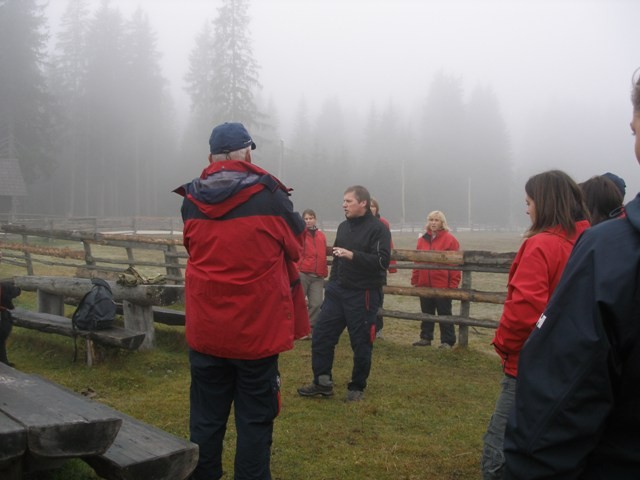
{"type": "Point", "coordinates": [602, 198]}
{"type": "Point", "coordinates": [361, 194]}
{"type": "Point", "coordinates": [635, 91]}
{"type": "Point", "coordinates": [558, 202]}
{"type": "Point", "coordinates": [308, 211]}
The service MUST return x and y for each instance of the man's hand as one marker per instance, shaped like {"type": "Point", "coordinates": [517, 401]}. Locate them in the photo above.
{"type": "Point", "coordinates": [342, 253]}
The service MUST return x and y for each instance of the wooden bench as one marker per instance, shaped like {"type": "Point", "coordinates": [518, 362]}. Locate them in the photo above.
{"type": "Point", "coordinates": [46, 322]}
{"type": "Point", "coordinates": [143, 451]}
{"type": "Point", "coordinates": [137, 301]}
{"type": "Point", "coordinates": [43, 424]}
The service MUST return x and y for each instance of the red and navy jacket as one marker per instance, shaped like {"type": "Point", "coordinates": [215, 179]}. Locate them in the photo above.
{"type": "Point", "coordinates": [243, 297]}
{"type": "Point", "coordinates": [314, 253]}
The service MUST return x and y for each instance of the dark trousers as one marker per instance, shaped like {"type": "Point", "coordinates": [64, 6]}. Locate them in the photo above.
{"type": "Point", "coordinates": [6, 325]}
{"type": "Point", "coordinates": [253, 386]}
{"type": "Point", "coordinates": [356, 311]}
{"type": "Point", "coordinates": [443, 307]}
{"type": "Point", "coordinates": [379, 320]}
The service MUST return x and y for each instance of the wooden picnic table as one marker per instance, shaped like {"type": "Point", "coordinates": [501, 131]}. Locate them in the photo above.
{"type": "Point", "coordinates": [41, 425]}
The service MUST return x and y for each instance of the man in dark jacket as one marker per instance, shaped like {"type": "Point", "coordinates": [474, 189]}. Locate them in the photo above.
{"type": "Point", "coordinates": [243, 299]}
{"type": "Point", "coordinates": [352, 296]}
{"type": "Point", "coordinates": [577, 409]}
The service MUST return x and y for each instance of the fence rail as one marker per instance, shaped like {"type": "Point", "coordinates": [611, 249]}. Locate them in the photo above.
{"type": "Point", "coordinates": [162, 254]}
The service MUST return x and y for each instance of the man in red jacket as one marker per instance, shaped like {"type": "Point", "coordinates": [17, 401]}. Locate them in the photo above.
{"type": "Point", "coordinates": [243, 298]}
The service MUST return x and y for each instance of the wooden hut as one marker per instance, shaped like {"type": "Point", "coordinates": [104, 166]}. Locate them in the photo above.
{"type": "Point", "coordinates": [12, 185]}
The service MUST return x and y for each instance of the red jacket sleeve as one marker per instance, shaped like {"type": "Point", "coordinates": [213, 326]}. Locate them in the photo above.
{"type": "Point", "coordinates": [527, 296]}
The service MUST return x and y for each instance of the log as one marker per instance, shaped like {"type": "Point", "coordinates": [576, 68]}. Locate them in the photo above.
{"type": "Point", "coordinates": [77, 287]}
{"type": "Point", "coordinates": [46, 251]}
{"type": "Point", "coordinates": [451, 293]}
{"type": "Point", "coordinates": [451, 319]}
{"type": "Point", "coordinates": [99, 238]}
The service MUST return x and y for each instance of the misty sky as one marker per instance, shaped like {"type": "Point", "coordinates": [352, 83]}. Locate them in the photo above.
{"type": "Point", "coordinates": [537, 55]}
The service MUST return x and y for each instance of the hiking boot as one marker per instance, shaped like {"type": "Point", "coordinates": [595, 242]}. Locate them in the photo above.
{"type": "Point", "coordinates": [444, 346]}
{"type": "Point", "coordinates": [355, 396]}
{"type": "Point", "coordinates": [423, 342]}
{"type": "Point", "coordinates": [313, 390]}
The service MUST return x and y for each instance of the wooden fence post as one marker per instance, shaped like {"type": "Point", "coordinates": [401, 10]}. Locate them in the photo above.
{"type": "Point", "coordinates": [465, 309]}
{"type": "Point", "coordinates": [88, 258]}
{"type": "Point", "coordinates": [173, 260]}
{"type": "Point", "coordinates": [27, 256]}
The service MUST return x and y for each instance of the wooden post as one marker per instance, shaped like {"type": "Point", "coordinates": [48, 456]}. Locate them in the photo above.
{"type": "Point", "coordinates": [465, 309]}
{"type": "Point", "coordinates": [88, 258]}
{"type": "Point", "coordinates": [132, 262]}
{"type": "Point", "coordinates": [27, 256]}
{"type": "Point", "coordinates": [50, 303]}
{"type": "Point", "coordinates": [91, 352]}
{"type": "Point", "coordinates": [173, 259]}
{"type": "Point", "coordinates": [140, 319]}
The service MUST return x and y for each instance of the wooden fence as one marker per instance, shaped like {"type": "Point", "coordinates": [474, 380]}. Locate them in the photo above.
{"type": "Point", "coordinates": [27, 248]}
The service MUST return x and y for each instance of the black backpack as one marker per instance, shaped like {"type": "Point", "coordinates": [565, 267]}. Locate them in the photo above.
{"type": "Point", "coordinates": [96, 310]}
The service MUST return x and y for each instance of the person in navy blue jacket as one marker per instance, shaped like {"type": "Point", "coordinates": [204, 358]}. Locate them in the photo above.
{"type": "Point", "coordinates": [577, 407]}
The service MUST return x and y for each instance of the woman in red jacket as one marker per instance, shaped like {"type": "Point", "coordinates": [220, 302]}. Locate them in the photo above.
{"type": "Point", "coordinates": [558, 216]}
{"type": "Point", "coordinates": [313, 265]}
{"type": "Point", "coordinates": [437, 237]}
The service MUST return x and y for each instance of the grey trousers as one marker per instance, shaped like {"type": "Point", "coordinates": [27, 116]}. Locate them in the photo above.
{"type": "Point", "coordinates": [313, 287]}
{"type": "Point", "coordinates": [493, 450]}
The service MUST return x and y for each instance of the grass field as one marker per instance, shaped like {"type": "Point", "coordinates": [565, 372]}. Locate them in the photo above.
{"type": "Point", "coordinates": [423, 417]}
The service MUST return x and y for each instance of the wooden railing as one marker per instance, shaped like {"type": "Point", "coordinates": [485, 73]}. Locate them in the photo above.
{"type": "Point", "coordinates": [87, 261]}
{"type": "Point", "coordinates": [25, 253]}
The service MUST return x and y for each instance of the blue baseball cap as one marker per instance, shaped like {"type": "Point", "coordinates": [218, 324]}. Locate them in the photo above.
{"type": "Point", "coordinates": [618, 181]}
{"type": "Point", "coordinates": [230, 137]}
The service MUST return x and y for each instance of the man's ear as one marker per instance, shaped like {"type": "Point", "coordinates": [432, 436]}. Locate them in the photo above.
{"type": "Point", "coordinates": [210, 158]}
{"type": "Point", "coordinates": [247, 156]}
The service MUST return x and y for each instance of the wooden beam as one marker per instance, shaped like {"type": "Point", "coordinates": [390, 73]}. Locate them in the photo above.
{"type": "Point", "coordinates": [77, 287]}
{"type": "Point", "coordinates": [453, 294]}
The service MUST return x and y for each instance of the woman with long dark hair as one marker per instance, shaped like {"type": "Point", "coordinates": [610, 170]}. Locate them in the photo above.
{"type": "Point", "coordinates": [558, 216]}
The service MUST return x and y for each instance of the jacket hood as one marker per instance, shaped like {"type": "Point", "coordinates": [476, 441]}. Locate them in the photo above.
{"type": "Point", "coordinates": [222, 186]}
{"type": "Point", "coordinates": [632, 209]}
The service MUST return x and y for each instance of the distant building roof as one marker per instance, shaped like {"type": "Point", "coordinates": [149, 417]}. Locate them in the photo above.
{"type": "Point", "coordinates": [11, 181]}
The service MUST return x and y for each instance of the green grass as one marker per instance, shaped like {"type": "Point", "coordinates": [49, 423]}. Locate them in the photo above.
{"type": "Point", "coordinates": [423, 417]}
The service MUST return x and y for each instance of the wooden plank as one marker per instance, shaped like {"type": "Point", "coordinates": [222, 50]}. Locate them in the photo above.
{"type": "Point", "coordinates": [144, 451]}
{"type": "Point", "coordinates": [13, 438]}
{"type": "Point", "coordinates": [48, 323]}
{"type": "Point", "coordinates": [451, 293]}
{"type": "Point", "coordinates": [166, 316]}
{"type": "Point", "coordinates": [58, 425]}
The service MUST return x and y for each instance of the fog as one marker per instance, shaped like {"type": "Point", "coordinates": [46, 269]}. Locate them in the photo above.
{"type": "Point", "coordinates": [559, 69]}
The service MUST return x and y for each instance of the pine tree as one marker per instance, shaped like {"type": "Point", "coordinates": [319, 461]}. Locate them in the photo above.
{"type": "Point", "coordinates": [489, 171]}
{"type": "Point", "coordinates": [223, 74]}
{"type": "Point", "coordinates": [149, 138]}
{"type": "Point", "coordinates": [105, 127]}
{"type": "Point", "coordinates": [436, 182]}
{"type": "Point", "coordinates": [25, 104]}
{"type": "Point", "coordinates": [67, 76]}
